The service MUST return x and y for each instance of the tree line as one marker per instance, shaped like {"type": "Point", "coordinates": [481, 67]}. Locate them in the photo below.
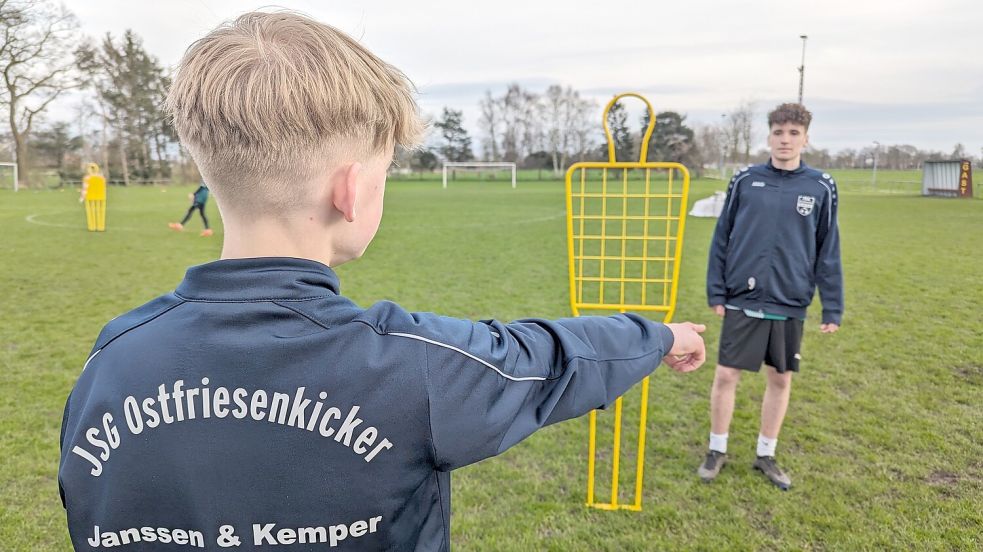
{"type": "Point", "coordinates": [558, 127]}
{"type": "Point", "coordinates": [118, 120]}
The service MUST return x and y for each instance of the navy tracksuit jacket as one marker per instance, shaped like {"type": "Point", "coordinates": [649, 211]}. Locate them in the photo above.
{"type": "Point", "coordinates": [256, 407]}
{"type": "Point", "coordinates": [776, 240]}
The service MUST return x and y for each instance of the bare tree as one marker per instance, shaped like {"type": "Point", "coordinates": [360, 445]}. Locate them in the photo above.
{"type": "Point", "coordinates": [740, 130]}
{"type": "Point", "coordinates": [510, 106]}
{"type": "Point", "coordinates": [583, 128]}
{"type": "Point", "coordinates": [532, 124]}
{"type": "Point", "coordinates": [711, 143]}
{"type": "Point", "coordinates": [520, 130]}
{"type": "Point", "coordinates": [563, 110]}
{"type": "Point", "coordinates": [555, 125]}
{"type": "Point", "coordinates": [747, 111]}
{"type": "Point", "coordinates": [489, 123]}
{"type": "Point", "coordinates": [556, 111]}
{"type": "Point", "coordinates": [959, 152]}
{"type": "Point", "coordinates": [37, 64]}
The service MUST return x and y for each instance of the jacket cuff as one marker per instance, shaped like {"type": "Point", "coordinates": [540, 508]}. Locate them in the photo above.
{"type": "Point", "coordinates": [667, 339]}
{"type": "Point", "coordinates": [715, 300]}
{"type": "Point", "coordinates": [832, 317]}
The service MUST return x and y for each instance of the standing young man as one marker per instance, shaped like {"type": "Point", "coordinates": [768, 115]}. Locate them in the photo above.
{"type": "Point", "coordinates": [775, 242]}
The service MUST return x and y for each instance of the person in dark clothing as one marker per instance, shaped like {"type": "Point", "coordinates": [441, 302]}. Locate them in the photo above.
{"type": "Point", "coordinates": [198, 200]}
{"type": "Point", "coordinates": [255, 406]}
{"type": "Point", "coordinates": [776, 241]}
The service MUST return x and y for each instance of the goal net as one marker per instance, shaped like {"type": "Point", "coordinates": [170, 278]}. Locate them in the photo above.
{"type": "Point", "coordinates": [8, 176]}
{"type": "Point", "coordinates": [476, 171]}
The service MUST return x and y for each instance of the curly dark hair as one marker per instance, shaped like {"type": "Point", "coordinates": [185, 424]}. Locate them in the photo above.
{"type": "Point", "coordinates": [790, 113]}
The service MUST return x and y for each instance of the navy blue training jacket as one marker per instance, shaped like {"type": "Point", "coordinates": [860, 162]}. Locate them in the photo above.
{"type": "Point", "coordinates": [256, 407]}
{"type": "Point", "coordinates": [201, 195]}
{"type": "Point", "coordinates": [776, 240]}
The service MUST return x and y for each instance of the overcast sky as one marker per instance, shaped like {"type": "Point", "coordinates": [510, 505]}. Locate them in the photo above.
{"type": "Point", "coordinates": [893, 71]}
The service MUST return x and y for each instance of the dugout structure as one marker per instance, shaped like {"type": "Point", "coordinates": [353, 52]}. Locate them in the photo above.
{"type": "Point", "coordinates": [948, 178]}
{"type": "Point", "coordinates": [625, 223]}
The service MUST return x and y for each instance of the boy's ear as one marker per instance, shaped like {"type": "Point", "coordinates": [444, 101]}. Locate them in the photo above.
{"type": "Point", "coordinates": [343, 192]}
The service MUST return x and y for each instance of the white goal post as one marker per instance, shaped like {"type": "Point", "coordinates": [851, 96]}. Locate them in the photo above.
{"type": "Point", "coordinates": [14, 165]}
{"type": "Point", "coordinates": [476, 165]}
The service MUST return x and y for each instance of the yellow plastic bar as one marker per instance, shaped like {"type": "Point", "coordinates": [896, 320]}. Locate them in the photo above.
{"type": "Point", "coordinates": [598, 237]}
{"type": "Point", "coordinates": [640, 460]}
{"type": "Point", "coordinates": [665, 272]}
{"type": "Point", "coordinates": [616, 454]}
{"type": "Point", "coordinates": [583, 182]}
{"type": "Point", "coordinates": [635, 280]}
{"type": "Point", "coordinates": [645, 232]}
{"type": "Point", "coordinates": [602, 306]}
{"type": "Point", "coordinates": [604, 226]}
{"type": "Point", "coordinates": [628, 258]}
{"type": "Point", "coordinates": [592, 440]}
{"type": "Point", "coordinates": [648, 130]}
{"type": "Point", "coordinates": [624, 231]}
{"type": "Point", "coordinates": [628, 217]}
{"type": "Point", "coordinates": [610, 196]}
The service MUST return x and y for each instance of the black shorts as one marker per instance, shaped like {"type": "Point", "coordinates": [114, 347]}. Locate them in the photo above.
{"type": "Point", "coordinates": [746, 342]}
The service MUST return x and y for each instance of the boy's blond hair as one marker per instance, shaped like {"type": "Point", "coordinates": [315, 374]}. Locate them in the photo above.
{"type": "Point", "coordinates": [265, 103]}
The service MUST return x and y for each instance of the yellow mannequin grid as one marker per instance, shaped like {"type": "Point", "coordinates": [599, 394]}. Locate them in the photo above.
{"type": "Point", "coordinates": [94, 192]}
{"type": "Point", "coordinates": [625, 223]}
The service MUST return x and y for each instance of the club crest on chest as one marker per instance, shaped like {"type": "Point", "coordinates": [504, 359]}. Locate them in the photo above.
{"type": "Point", "coordinates": [805, 204]}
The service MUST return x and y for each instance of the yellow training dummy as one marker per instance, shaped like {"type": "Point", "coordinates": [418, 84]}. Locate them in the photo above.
{"type": "Point", "coordinates": [94, 196]}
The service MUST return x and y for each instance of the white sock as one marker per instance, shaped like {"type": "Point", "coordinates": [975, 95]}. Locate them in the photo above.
{"type": "Point", "coordinates": [718, 442]}
{"type": "Point", "coordinates": [766, 446]}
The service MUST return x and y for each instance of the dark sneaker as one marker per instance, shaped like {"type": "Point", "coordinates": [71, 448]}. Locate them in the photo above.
{"type": "Point", "coordinates": [768, 466]}
{"type": "Point", "coordinates": [711, 465]}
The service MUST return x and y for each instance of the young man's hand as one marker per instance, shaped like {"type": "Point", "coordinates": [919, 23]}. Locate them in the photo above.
{"type": "Point", "coordinates": [719, 310]}
{"type": "Point", "coordinates": [829, 328]}
{"type": "Point", "coordinates": [688, 350]}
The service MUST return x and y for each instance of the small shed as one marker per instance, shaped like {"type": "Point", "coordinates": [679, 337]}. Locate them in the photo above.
{"type": "Point", "coordinates": [952, 178]}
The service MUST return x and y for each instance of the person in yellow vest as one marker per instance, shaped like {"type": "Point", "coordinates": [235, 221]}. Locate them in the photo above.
{"type": "Point", "coordinates": [94, 196]}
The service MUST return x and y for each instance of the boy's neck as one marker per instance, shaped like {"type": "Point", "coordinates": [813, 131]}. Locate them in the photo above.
{"type": "Point", "coordinates": [789, 165]}
{"type": "Point", "coordinates": [266, 238]}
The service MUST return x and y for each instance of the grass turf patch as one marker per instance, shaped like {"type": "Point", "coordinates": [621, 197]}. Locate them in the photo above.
{"type": "Point", "coordinates": [884, 435]}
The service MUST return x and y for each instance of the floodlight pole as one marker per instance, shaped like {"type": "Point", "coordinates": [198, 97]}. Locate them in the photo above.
{"type": "Point", "coordinates": [802, 68]}
{"type": "Point", "coordinates": [877, 146]}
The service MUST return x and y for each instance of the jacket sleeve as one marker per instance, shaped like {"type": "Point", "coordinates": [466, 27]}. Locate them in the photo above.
{"type": "Point", "coordinates": [716, 289]}
{"type": "Point", "coordinates": [829, 269]}
{"type": "Point", "coordinates": [61, 447]}
{"type": "Point", "coordinates": [491, 385]}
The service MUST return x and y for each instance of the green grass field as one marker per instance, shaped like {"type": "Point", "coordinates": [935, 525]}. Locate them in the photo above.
{"type": "Point", "coordinates": [884, 436]}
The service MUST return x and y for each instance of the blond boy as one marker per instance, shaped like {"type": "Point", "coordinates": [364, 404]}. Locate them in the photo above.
{"type": "Point", "coordinates": [256, 406]}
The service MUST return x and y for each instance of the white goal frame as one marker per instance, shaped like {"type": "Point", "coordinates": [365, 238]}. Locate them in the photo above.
{"type": "Point", "coordinates": [14, 165]}
{"type": "Point", "coordinates": [479, 165]}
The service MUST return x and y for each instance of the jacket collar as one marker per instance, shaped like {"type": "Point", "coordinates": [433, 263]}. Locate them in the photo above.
{"type": "Point", "coordinates": [801, 168]}
{"type": "Point", "coordinates": [258, 279]}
